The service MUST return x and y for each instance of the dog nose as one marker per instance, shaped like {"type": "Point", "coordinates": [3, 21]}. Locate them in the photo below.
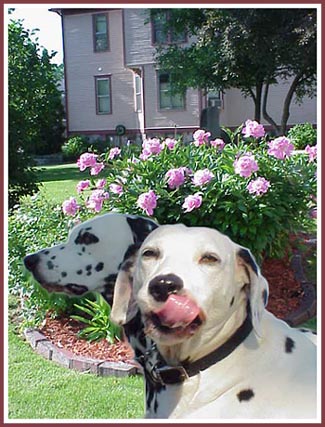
{"type": "Point", "coordinates": [31, 261]}
{"type": "Point", "coordinates": [162, 286]}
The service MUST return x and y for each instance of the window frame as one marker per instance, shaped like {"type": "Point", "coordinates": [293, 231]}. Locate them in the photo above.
{"type": "Point", "coordinates": [138, 101]}
{"type": "Point", "coordinates": [169, 35]}
{"type": "Point", "coordinates": [94, 17]}
{"type": "Point", "coordinates": [98, 78]}
{"type": "Point", "coordinates": [169, 108]}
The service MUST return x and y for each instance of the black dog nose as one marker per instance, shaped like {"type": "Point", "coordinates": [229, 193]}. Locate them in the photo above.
{"type": "Point", "coordinates": [31, 261]}
{"type": "Point", "coordinates": [162, 286]}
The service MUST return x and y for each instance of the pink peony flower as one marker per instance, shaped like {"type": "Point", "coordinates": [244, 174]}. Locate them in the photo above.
{"type": "Point", "coordinates": [245, 165]}
{"type": "Point", "coordinates": [280, 148]}
{"type": "Point", "coordinates": [170, 143]}
{"type": "Point", "coordinates": [152, 146]}
{"type": "Point", "coordinates": [98, 167]}
{"type": "Point", "coordinates": [114, 152]}
{"type": "Point", "coordinates": [312, 152]}
{"type": "Point", "coordinates": [202, 177]}
{"type": "Point", "coordinates": [83, 185]}
{"type": "Point", "coordinates": [116, 189]}
{"type": "Point", "coordinates": [101, 183]}
{"type": "Point", "coordinates": [200, 137]}
{"type": "Point", "coordinates": [86, 160]}
{"type": "Point", "coordinates": [218, 143]}
{"type": "Point", "coordinates": [253, 128]}
{"type": "Point", "coordinates": [147, 202]}
{"type": "Point", "coordinates": [194, 201]}
{"type": "Point", "coordinates": [70, 207]}
{"type": "Point", "coordinates": [176, 177]}
{"type": "Point", "coordinates": [259, 186]}
{"type": "Point", "coordinates": [96, 200]}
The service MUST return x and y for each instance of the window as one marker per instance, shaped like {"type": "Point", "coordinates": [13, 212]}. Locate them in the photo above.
{"type": "Point", "coordinates": [160, 35]}
{"type": "Point", "coordinates": [103, 95]}
{"type": "Point", "coordinates": [100, 30]}
{"type": "Point", "coordinates": [167, 98]}
{"type": "Point", "coordinates": [138, 92]}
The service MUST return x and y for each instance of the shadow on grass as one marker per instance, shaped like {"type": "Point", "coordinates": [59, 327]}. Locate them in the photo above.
{"type": "Point", "coordinates": [60, 173]}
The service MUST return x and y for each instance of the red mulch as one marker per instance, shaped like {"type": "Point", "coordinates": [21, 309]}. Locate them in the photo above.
{"type": "Point", "coordinates": [285, 297]}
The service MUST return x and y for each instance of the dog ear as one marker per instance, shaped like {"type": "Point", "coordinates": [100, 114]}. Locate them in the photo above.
{"type": "Point", "coordinates": [257, 289]}
{"type": "Point", "coordinates": [124, 306]}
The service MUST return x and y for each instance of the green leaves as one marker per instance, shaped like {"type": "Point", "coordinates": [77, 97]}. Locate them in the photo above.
{"type": "Point", "coordinates": [98, 320]}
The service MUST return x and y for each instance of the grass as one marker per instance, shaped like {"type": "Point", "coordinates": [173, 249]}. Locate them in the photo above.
{"type": "Point", "coordinates": [59, 181]}
{"type": "Point", "coordinates": [39, 389]}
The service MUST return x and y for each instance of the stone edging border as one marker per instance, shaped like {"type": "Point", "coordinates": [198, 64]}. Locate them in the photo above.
{"type": "Point", "coordinates": [43, 346]}
{"type": "Point", "coordinates": [66, 358]}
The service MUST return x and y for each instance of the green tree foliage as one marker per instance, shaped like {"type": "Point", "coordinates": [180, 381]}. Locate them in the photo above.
{"type": "Point", "coordinates": [35, 108]}
{"type": "Point", "coordinates": [248, 49]}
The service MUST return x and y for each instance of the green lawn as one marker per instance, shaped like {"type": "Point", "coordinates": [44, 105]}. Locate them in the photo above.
{"type": "Point", "coordinates": [40, 389]}
{"type": "Point", "coordinates": [59, 181]}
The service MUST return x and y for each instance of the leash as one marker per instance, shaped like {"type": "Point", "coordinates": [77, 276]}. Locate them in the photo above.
{"type": "Point", "coordinates": [163, 374]}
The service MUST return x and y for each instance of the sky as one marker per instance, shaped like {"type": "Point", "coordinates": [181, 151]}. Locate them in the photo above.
{"type": "Point", "coordinates": [49, 24]}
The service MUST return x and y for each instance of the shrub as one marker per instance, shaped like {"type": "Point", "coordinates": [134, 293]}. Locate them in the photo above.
{"type": "Point", "coordinates": [35, 224]}
{"type": "Point", "coordinates": [98, 320]}
{"type": "Point", "coordinates": [73, 147]}
{"type": "Point", "coordinates": [256, 192]}
{"type": "Point", "coordinates": [302, 135]}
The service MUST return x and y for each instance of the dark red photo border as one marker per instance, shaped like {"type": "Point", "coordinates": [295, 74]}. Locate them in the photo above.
{"type": "Point", "coordinates": [4, 190]}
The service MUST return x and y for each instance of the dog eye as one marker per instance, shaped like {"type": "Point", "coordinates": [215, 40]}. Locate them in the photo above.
{"type": "Point", "coordinates": [150, 253]}
{"type": "Point", "coordinates": [209, 259]}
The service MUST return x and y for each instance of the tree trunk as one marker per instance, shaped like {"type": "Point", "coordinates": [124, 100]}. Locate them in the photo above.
{"type": "Point", "coordinates": [266, 116]}
{"type": "Point", "coordinates": [258, 101]}
{"type": "Point", "coordinates": [287, 102]}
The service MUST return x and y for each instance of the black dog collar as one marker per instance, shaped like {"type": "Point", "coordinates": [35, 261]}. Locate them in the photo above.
{"type": "Point", "coordinates": [177, 374]}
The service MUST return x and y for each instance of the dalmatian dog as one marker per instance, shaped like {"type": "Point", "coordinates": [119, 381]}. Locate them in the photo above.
{"type": "Point", "coordinates": [200, 299]}
{"type": "Point", "coordinates": [90, 259]}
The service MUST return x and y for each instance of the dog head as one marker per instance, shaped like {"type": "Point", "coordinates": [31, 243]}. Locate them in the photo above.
{"type": "Point", "coordinates": [192, 285]}
{"type": "Point", "coordinates": [90, 259]}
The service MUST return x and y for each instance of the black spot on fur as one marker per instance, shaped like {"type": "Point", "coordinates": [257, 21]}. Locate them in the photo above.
{"type": "Point", "coordinates": [232, 301]}
{"type": "Point", "coordinates": [89, 267]}
{"type": "Point", "coordinates": [127, 265]}
{"type": "Point", "coordinates": [245, 395]}
{"type": "Point", "coordinates": [76, 289]}
{"type": "Point", "coordinates": [50, 265]}
{"type": "Point", "coordinates": [83, 249]}
{"type": "Point", "coordinates": [110, 279]}
{"type": "Point", "coordinates": [62, 247]}
{"type": "Point", "coordinates": [79, 253]}
{"type": "Point", "coordinates": [264, 296]}
{"type": "Point", "coordinates": [88, 273]}
{"type": "Point", "coordinates": [99, 266]}
{"type": "Point", "coordinates": [79, 272]}
{"type": "Point", "coordinates": [53, 257]}
{"type": "Point", "coordinates": [64, 274]}
{"type": "Point", "coordinates": [289, 345]}
{"type": "Point", "coordinates": [131, 250]}
{"type": "Point", "coordinates": [246, 256]}
{"type": "Point", "coordinates": [86, 238]}
{"type": "Point", "coordinates": [307, 330]}
{"type": "Point", "coordinates": [141, 227]}
{"type": "Point", "coordinates": [46, 252]}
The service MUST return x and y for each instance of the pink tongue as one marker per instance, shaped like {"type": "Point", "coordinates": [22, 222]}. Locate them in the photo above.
{"type": "Point", "coordinates": [178, 310]}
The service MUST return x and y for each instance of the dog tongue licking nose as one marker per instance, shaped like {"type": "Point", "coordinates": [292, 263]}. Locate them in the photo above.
{"type": "Point", "coordinates": [178, 310]}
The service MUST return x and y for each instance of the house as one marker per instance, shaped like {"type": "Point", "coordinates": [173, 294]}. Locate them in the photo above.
{"type": "Point", "coordinates": [115, 90]}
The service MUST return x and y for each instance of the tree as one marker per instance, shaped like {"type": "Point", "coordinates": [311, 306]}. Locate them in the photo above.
{"type": "Point", "coordinates": [35, 108]}
{"type": "Point", "coordinates": [248, 49]}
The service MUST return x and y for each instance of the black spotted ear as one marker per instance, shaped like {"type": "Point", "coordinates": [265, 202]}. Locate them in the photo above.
{"type": "Point", "coordinates": [258, 287]}
{"type": "Point", "coordinates": [124, 306]}
{"type": "Point", "coordinates": [141, 227]}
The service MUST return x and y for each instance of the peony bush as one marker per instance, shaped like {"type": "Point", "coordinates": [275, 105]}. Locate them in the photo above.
{"type": "Point", "coordinates": [255, 189]}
